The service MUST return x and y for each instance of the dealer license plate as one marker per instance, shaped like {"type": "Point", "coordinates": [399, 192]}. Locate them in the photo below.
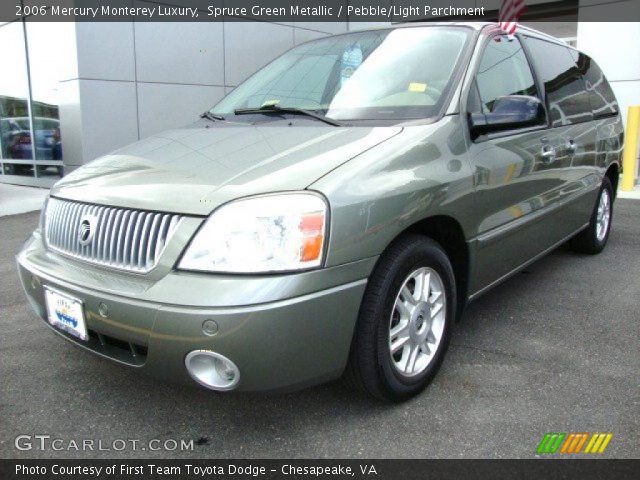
{"type": "Point", "coordinates": [66, 313]}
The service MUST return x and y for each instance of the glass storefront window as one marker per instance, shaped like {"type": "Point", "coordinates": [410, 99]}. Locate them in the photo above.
{"type": "Point", "coordinates": [30, 131]}
{"type": "Point", "coordinates": [15, 124]}
{"type": "Point", "coordinates": [46, 64]}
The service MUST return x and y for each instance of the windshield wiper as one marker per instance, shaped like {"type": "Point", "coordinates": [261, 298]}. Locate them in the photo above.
{"type": "Point", "coordinates": [294, 110]}
{"type": "Point", "coordinates": [211, 116]}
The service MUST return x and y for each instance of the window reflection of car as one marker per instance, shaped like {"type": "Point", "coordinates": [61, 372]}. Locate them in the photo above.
{"type": "Point", "coordinates": [16, 136]}
{"type": "Point", "coordinates": [10, 128]}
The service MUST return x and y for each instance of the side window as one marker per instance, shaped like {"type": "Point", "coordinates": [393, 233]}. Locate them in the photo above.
{"type": "Point", "coordinates": [603, 101]}
{"type": "Point", "coordinates": [566, 93]}
{"type": "Point", "coordinates": [503, 71]}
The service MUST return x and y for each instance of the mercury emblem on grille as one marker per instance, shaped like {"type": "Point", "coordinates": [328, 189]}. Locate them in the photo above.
{"type": "Point", "coordinates": [87, 229]}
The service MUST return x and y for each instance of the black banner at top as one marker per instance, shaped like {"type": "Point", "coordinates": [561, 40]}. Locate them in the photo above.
{"type": "Point", "coordinates": [309, 10]}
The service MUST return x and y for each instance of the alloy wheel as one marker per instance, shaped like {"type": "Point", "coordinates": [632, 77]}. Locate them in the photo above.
{"type": "Point", "coordinates": [417, 321]}
{"type": "Point", "coordinates": [603, 216]}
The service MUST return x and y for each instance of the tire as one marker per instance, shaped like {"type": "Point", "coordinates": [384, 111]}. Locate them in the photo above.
{"type": "Point", "coordinates": [372, 368]}
{"type": "Point", "coordinates": [594, 238]}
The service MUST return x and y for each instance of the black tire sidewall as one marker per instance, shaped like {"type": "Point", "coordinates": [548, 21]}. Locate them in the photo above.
{"type": "Point", "coordinates": [593, 227]}
{"type": "Point", "coordinates": [422, 252]}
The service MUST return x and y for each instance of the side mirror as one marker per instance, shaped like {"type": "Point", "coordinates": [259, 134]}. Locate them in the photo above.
{"type": "Point", "coordinates": [508, 113]}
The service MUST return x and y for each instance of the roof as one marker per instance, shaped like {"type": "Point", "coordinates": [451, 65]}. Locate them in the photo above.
{"type": "Point", "coordinates": [474, 25]}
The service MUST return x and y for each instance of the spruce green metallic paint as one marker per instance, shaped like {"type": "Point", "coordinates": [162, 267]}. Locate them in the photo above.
{"type": "Point", "coordinates": [295, 329]}
{"type": "Point", "coordinates": [195, 169]}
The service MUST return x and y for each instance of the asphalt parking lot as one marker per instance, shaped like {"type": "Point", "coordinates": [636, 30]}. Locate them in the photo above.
{"type": "Point", "coordinates": [554, 349]}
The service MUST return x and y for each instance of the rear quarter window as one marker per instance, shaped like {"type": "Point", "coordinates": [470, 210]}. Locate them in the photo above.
{"type": "Point", "coordinates": [603, 101]}
{"type": "Point", "coordinates": [567, 96]}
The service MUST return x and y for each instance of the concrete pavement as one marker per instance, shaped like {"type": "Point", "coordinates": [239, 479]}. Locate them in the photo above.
{"type": "Point", "coordinates": [15, 199]}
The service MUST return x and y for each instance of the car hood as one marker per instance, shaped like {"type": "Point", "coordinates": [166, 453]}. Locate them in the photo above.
{"type": "Point", "coordinates": [194, 169]}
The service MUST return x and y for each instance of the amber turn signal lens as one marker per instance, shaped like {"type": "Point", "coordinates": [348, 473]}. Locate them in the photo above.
{"type": "Point", "coordinates": [312, 229]}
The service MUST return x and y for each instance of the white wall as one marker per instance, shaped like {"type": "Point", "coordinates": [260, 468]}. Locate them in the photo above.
{"type": "Point", "coordinates": [620, 61]}
{"type": "Point", "coordinates": [616, 48]}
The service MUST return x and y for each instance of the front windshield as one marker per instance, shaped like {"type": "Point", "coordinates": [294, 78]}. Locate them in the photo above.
{"type": "Point", "coordinates": [403, 73]}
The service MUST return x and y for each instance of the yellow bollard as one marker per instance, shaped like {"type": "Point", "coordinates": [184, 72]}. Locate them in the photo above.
{"type": "Point", "coordinates": [630, 156]}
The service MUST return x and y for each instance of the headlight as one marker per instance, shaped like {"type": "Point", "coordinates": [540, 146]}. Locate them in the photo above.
{"type": "Point", "coordinates": [268, 233]}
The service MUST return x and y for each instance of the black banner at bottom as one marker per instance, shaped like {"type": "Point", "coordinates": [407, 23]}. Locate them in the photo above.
{"type": "Point", "coordinates": [583, 469]}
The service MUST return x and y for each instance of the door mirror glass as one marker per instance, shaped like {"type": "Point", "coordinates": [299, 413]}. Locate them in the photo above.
{"type": "Point", "coordinates": [508, 113]}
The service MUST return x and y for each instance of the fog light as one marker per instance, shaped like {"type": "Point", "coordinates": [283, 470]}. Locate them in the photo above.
{"type": "Point", "coordinates": [212, 370]}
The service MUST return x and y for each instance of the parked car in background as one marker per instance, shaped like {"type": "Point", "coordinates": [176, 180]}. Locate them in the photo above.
{"type": "Point", "coordinates": [334, 213]}
{"type": "Point", "coordinates": [16, 136]}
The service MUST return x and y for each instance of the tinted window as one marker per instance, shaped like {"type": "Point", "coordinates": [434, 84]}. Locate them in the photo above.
{"type": "Point", "coordinates": [603, 101]}
{"type": "Point", "coordinates": [567, 97]}
{"type": "Point", "coordinates": [503, 71]}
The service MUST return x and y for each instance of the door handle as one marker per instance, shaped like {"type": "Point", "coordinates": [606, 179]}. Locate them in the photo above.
{"type": "Point", "coordinates": [548, 154]}
{"type": "Point", "coordinates": [572, 146]}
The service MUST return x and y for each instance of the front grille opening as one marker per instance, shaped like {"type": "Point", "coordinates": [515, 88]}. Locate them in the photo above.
{"type": "Point", "coordinates": [128, 352]}
{"type": "Point", "coordinates": [141, 349]}
{"type": "Point", "coordinates": [121, 238]}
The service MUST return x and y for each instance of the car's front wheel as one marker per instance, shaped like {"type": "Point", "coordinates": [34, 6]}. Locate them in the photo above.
{"type": "Point", "coordinates": [405, 321]}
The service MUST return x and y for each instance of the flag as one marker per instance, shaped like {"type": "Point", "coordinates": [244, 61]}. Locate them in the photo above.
{"type": "Point", "coordinates": [510, 11]}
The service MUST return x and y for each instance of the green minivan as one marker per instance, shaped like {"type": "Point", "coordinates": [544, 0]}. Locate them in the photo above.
{"type": "Point", "coordinates": [334, 213]}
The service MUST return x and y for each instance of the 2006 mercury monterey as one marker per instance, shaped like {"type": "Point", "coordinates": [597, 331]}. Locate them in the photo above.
{"type": "Point", "coordinates": [334, 213]}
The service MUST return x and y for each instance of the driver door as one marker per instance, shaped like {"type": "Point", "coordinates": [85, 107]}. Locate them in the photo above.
{"type": "Point", "coordinates": [517, 181]}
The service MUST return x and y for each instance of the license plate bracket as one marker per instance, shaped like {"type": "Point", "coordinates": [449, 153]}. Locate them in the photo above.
{"type": "Point", "coordinates": [66, 313]}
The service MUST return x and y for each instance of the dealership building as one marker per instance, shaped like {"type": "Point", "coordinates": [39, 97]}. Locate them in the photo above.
{"type": "Point", "coordinates": [71, 92]}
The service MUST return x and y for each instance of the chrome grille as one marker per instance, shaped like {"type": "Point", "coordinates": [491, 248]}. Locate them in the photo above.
{"type": "Point", "coordinates": [121, 238]}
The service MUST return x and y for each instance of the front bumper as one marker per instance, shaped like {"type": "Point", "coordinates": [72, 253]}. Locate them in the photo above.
{"type": "Point", "coordinates": [281, 331]}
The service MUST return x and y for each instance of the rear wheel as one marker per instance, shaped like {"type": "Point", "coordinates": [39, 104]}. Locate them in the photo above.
{"type": "Point", "coordinates": [405, 321]}
{"type": "Point", "coordinates": [594, 238]}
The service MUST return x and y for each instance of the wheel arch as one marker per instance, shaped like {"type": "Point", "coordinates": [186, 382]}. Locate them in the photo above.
{"type": "Point", "coordinates": [448, 233]}
{"type": "Point", "coordinates": [613, 173]}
